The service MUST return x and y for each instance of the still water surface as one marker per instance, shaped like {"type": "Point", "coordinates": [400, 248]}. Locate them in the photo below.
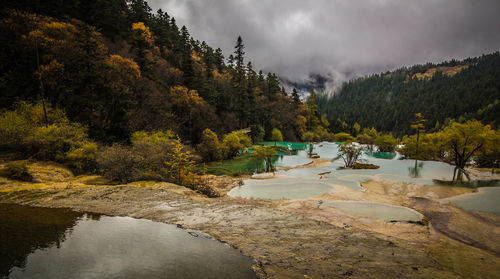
{"type": "Point", "coordinates": [487, 199]}
{"type": "Point", "coordinates": [379, 211]}
{"type": "Point", "coordinates": [302, 183]}
{"type": "Point", "coordinates": [59, 243]}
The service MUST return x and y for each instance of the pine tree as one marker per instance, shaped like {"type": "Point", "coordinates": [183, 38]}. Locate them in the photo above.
{"type": "Point", "coordinates": [239, 82]}
{"type": "Point", "coordinates": [251, 85]}
{"type": "Point", "coordinates": [312, 111]}
{"type": "Point", "coordinates": [296, 97]}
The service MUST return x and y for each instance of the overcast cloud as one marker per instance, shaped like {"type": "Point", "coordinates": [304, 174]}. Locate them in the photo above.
{"type": "Point", "coordinates": [341, 38]}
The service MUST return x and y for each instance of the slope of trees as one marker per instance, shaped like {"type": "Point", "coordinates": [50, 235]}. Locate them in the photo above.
{"type": "Point", "coordinates": [389, 100]}
{"type": "Point", "coordinates": [116, 68]}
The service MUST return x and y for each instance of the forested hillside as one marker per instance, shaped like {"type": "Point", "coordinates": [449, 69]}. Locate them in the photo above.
{"type": "Point", "coordinates": [116, 67]}
{"type": "Point", "coordinates": [459, 90]}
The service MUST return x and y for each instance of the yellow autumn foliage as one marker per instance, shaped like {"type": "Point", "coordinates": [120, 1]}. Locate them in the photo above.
{"type": "Point", "coordinates": [127, 67]}
{"type": "Point", "coordinates": [144, 32]}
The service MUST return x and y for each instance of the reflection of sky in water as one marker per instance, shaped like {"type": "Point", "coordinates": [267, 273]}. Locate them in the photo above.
{"type": "Point", "coordinates": [280, 188]}
{"type": "Point", "coordinates": [379, 211]}
{"type": "Point", "coordinates": [293, 160]}
{"type": "Point", "coordinates": [123, 247]}
{"type": "Point", "coordinates": [487, 199]}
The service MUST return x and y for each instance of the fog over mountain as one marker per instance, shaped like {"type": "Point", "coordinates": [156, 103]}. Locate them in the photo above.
{"type": "Point", "coordinates": [340, 40]}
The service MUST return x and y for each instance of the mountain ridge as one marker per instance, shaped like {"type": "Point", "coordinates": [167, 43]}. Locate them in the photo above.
{"type": "Point", "coordinates": [454, 89]}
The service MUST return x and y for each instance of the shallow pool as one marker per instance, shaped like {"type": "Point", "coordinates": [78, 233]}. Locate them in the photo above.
{"type": "Point", "coordinates": [246, 164]}
{"type": "Point", "coordinates": [59, 243]}
{"type": "Point", "coordinates": [306, 182]}
{"type": "Point", "coordinates": [487, 199]}
{"type": "Point", "coordinates": [379, 211]}
{"type": "Point", "coordinates": [280, 188]}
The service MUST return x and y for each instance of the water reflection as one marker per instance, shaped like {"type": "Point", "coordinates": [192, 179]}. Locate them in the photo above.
{"type": "Point", "coordinates": [58, 243]}
{"type": "Point", "coordinates": [392, 166]}
{"type": "Point", "coordinates": [379, 211]}
{"type": "Point", "coordinates": [289, 154]}
{"type": "Point", "coordinates": [381, 155]}
{"type": "Point", "coordinates": [280, 188]}
{"type": "Point", "coordinates": [459, 173]}
{"type": "Point", "coordinates": [25, 229]}
{"type": "Point", "coordinates": [416, 170]}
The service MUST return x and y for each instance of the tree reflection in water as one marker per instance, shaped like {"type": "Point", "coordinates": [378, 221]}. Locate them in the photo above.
{"type": "Point", "coordinates": [416, 170]}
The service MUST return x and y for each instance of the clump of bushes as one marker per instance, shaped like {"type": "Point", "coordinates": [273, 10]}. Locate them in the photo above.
{"type": "Point", "coordinates": [203, 185]}
{"type": "Point", "coordinates": [257, 133]}
{"type": "Point", "coordinates": [211, 149]}
{"type": "Point", "coordinates": [158, 156]}
{"type": "Point", "coordinates": [18, 171]}
{"type": "Point", "coordinates": [343, 137]}
{"type": "Point", "coordinates": [319, 133]}
{"type": "Point", "coordinates": [47, 135]}
{"type": "Point", "coordinates": [276, 135]}
{"type": "Point", "coordinates": [119, 163]}
{"type": "Point", "coordinates": [151, 156]}
{"type": "Point", "coordinates": [386, 143]}
{"type": "Point", "coordinates": [368, 136]}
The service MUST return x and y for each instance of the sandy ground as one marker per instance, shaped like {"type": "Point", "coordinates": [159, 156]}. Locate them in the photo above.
{"type": "Point", "coordinates": [299, 239]}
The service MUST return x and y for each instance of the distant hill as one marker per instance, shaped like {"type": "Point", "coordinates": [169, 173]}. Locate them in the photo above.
{"type": "Point", "coordinates": [450, 90]}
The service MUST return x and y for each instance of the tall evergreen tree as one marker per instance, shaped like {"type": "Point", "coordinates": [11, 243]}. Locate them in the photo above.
{"type": "Point", "coordinates": [296, 97]}
{"type": "Point", "coordinates": [251, 85]}
{"type": "Point", "coordinates": [239, 81]}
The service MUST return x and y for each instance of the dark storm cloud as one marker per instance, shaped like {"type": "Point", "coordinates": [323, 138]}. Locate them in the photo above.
{"type": "Point", "coordinates": [342, 39]}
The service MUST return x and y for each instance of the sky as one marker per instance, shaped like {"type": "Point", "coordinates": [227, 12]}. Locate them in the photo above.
{"type": "Point", "coordinates": [341, 39]}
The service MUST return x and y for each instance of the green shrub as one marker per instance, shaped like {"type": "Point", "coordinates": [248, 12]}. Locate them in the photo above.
{"type": "Point", "coordinates": [231, 145]}
{"type": "Point", "coordinates": [120, 163]}
{"type": "Point", "coordinates": [343, 137]}
{"type": "Point", "coordinates": [257, 133]}
{"type": "Point", "coordinates": [56, 139]}
{"type": "Point", "coordinates": [209, 147]}
{"type": "Point", "coordinates": [386, 143]}
{"type": "Point", "coordinates": [83, 158]}
{"type": "Point", "coordinates": [18, 171]}
{"type": "Point", "coordinates": [14, 129]}
{"type": "Point", "coordinates": [158, 136]}
{"type": "Point", "coordinates": [276, 135]}
{"type": "Point", "coordinates": [149, 158]}
{"type": "Point", "coordinates": [308, 136]}
{"type": "Point", "coordinates": [265, 153]}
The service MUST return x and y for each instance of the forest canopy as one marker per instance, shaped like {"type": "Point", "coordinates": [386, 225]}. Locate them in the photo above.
{"type": "Point", "coordinates": [452, 90]}
{"type": "Point", "coordinates": [131, 69]}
